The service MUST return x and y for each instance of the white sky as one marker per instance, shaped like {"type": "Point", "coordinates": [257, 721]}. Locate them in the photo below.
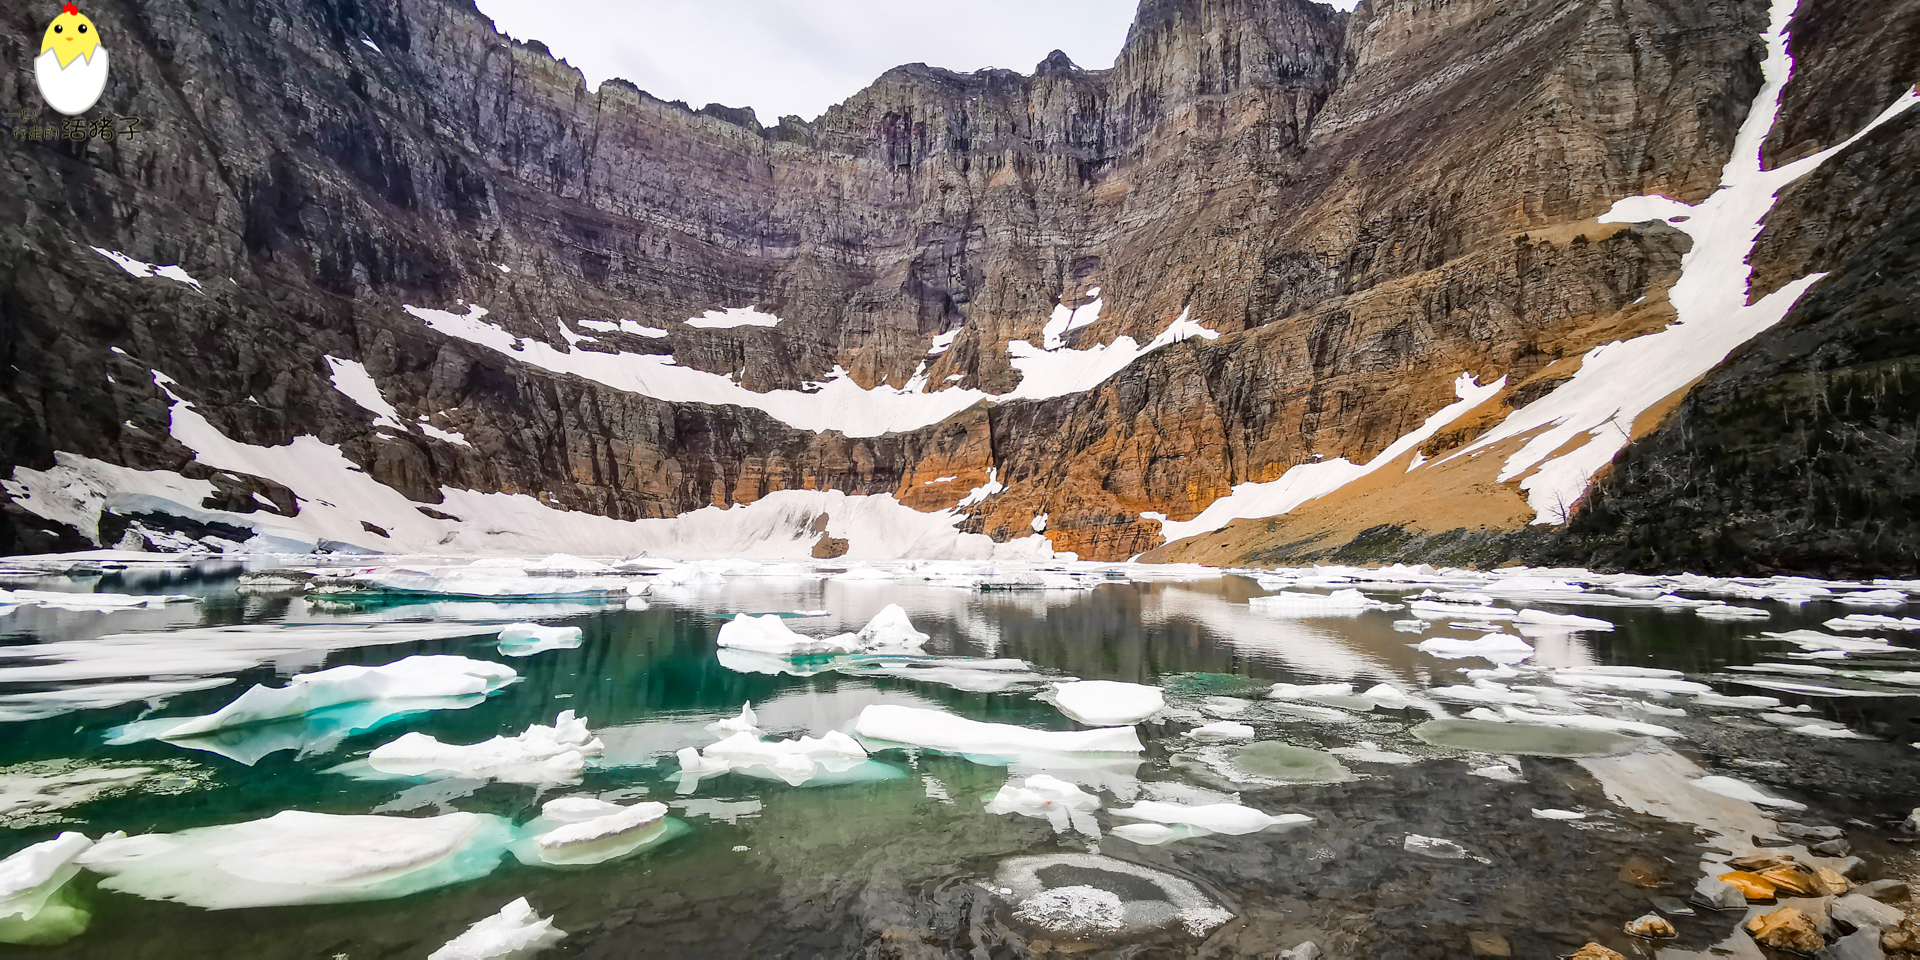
{"type": "Point", "coordinates": [802, 56]}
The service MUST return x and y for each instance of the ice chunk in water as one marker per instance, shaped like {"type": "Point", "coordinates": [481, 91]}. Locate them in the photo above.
{"type": "Point", "coordinates": [297, 857]}
{"type": "Point", "coordinates": [1496, 647]}
{"type": "Point", "coordinates": [329, 705]}
{"type": "Point", "coordinates": [1047, 798]}
{"type": "Point", "coordinates": [937, 730]}
{"type": "Point", "coordinates": [890, 630]}
{"type": "Point", "coordinates": [1342, 602]}
{"type": "Point", "coordinates": [1080, 911]}
{"type": "Point", "coordinates": [796, 762]}
{"type": "Point", "coordinates": [1589, 722]}
{"type": "Point", "coordinates": [1229, 818]}
{"type": "Point", "coordinates": [1284, 763]}
{"type": "Point", "coordinates": [527, 639]}
{"type": "Point", "coordinates": [32, 909]}
{"type": "Point", "coordinates": [580, 831]}
{"type": "Point", "coordinates": [1108, 703]}
{"type": "Point", "coordinates": [1147, 899]}
{"type": "Point", "coordinates": [1223, 730]}
{"type": "Point", "coordinates": [541, 755]}
{"type": "Point", "coordinates": [770, 635]}
{"type": "Point", "coordinates": [746, 723]}
{"type": "Point", "coordinates": [515, 933]}
{"type": "Point", "coordinates": [1872, 621]}
{"type": "Point", "coordinates": [1434, 847]}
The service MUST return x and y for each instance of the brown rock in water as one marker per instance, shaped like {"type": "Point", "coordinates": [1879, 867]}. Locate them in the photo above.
{"type": "Point", "coordinates": [1787, 929]}
{"type": "Point", "coordinates": [1795, 880]}
{"type": "Point", "coordinates": [1641, 872]}
{"type": "Point", "coordinates": [1653, 927]}
{"type": "Point", "coordinates": [1751, 885]}
{"type": "Point", "coordinates": [1489, 945]}
{"type": "Point", "coordinates": [1903, 939]}
{"type": "Point", "coordinates": [1831, 882]}
{"type": "Point", "coordinates": [1594, 951]}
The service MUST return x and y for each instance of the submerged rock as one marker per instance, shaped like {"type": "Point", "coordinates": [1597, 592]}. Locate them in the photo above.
{"type": "Point", "coordinates": [1290, 764]}
{"type": "Point", "coordinates": [1653, 927]}
{"type": "Point", "coordinates": [1523, 739]}
{"type": "Point", "coordinates": [1594, 951]}
{"type": "Point", "coordinates": [1489, 945]}
{"type": "Point", "coordinates": [1787, 929]}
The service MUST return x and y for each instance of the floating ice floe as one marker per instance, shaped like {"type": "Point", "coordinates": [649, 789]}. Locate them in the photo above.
{"type": "Point", "coordinates": [1108, 703]}
{"type": "Point", "coordinates": [527, 639]}
{"type": "Point", "coordinates": [1738, 703]}
{"type": "Point", "coordinates": [1223, 730]}
{"type": "Point", "coordinates": [937, 730]}
{"type": "Point", "coordinates": [581, 831]}
{"type": "Point", "coordinates": [1567, 621]}
{"type": "Point", "coordinates": [325, 707]}
{"type": "Point", "coordinates": [1483, 692]}
{"type": "Point", "coordinates": [1106, 897]}
{"type": "Point", "coordinates": [540, 756]}
{"type": "Point", "coordinates": [1232, 819]}
{"type": "Point", "coordinates": [1056, 801]}
{"type": "Point", "coordinates": [1495, 647]}
{"type": "Point", "coordinates": [1315, 604]}
{"type": "Point", "coordinates": [1723, 611]}
{"type": "Point", "coordinates": [515, 933]}
{"type": "Point", "coordinates": [1316, 691]}
{"type": "Point", "coordinates": [33, 909]}
{"type": "Point", "coordinates": [770, 635]}
{"type": "Point", "coordinates": [1634, 679]}
{"type": "Point", "coordinates": [833, 758]}
{"type": "Point", "coordinates": [118, 668]}
{"type": "Point", "coordinates": [961, 673]}
{"type": "Point", "coordinates": [1815, 640]}
{"type": "Point", "coordinates": [1446, 610]}
{"type": "Point", "coordinates": [11, 600]}
{"type": "Point", "coordinates": [1411, 626]}
{"type": "Point", "coordinates": [1813, 727]}
{"type": "Point", "coordinates": [1742, 790]}
{"type": "Point", "coordinates": [1874, 598]}
{"type": "Point", "coordinates": [1872, 621]}
{"type": "Point", "coordinates": [747, 722]}
{"type": "Point", "coordinates": [890, 630]}
{"type": "Point", "coordinates": [1590, 722]}
{"type": "Point", "coordinates": [297, 857]}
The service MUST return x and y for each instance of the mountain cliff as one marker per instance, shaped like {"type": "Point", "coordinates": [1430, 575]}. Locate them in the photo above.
{"type": "Point", "coordinates": [1171, 300]}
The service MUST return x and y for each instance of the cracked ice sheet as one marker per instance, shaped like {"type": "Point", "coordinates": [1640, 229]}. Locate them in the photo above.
{"type": "Point", "coordinates": [838, 404]}
{"type": "Point", "coordinates": [1617, 382]}
{"type": "Point", "coordinates": [1309, 481]}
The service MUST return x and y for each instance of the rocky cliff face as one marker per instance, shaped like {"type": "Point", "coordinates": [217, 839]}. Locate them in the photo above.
{"type": "Point", "coordinates": [1358, 208]}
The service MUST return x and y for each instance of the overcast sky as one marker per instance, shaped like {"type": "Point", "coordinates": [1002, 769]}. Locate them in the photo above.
{"type": "Point", "coordinates": [801, 56]}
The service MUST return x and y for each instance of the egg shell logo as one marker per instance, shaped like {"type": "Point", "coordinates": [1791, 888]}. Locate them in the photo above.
{"type": "Point", "coordinates": [72, 66]}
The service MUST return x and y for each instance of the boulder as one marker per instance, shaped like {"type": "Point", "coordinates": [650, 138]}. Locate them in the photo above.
{"type": "Point", "coordinates": [1489, 945]}
{"type": "Point", "coordinates": [1653, 927]}
{"type": "Point", "coordinates": [1865, 913]}
{"type": "Point", "coordinates": [1787, 929]}
{"type": "Point", "coordinates": [1717, 894]}
{"type": "Point", "coordinates": [1305, 951]}
{"type": "Point", "coordinates": [1751, 885]}
{"type": "Point", "coordinates": [1885, 891]}
{"type": "Point", "coordinates": [1864, 945]}
{"type": "Point", "coordinates": [1812, 834]}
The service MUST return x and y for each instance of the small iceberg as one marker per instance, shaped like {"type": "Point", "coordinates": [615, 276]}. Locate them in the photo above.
{"type": "Point", "coordinates": [1494, 647]}
{"type": "Point", "coordinates": [315, 711]}
{"type": "Point", "coordinates": [540, 756]}
{"type": "Point", "coordinates": [34, 907]}
{"type": "Point", "coordinates": [581, 831]}
{"type": "Point", "coordinates": [1872, 621]}
{"type": "Point", "coordinates": [890, 631]}
{"type": "Point", "coordinates": [834, 758]}
{"type": "Point", "coordinates": [296, 857]}
{"type": "Point", "coordinates": [770, 635]}
{"type": "Point", "coordinates": [938, 730]}
{"type": "Point", "coordinates": [515, 933]}
{"type": "Point", "coordinates": [1222, 731]}
{"type": "Point", "coordinates": [1108, 703]}
{"type": "Point", "coordinates": [1339, 603]}
{"type": "Point", "coordinates": [527, 639]}
{"type": "Point", "coordinates": [1056, 801]}
{"type": "Point", "coordinates": [1232, 819]}
{"type": "Point", "coordinates": [747, 722]}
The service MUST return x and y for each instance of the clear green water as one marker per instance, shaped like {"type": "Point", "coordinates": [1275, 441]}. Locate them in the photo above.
{"type": "Point", "coordinates": [901, 867]}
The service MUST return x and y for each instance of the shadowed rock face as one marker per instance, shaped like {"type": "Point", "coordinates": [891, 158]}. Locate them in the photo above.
{"type": "Point", "coordinates": [1364, 206]}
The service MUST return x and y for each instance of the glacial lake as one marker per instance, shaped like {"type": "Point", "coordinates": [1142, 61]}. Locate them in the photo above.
{"type": "Point", "coordinates": [1545, 796]}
